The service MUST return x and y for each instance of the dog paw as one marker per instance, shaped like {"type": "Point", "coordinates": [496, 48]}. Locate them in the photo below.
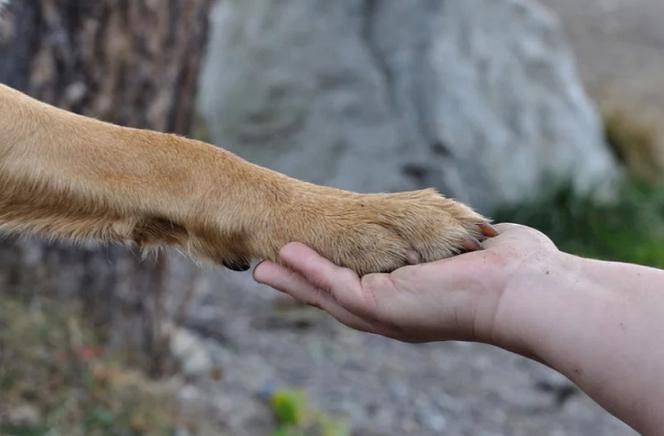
{"type": "Point", "coordinates": [383, 232]}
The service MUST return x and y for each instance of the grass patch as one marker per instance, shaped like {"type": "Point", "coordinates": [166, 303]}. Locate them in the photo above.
{"type": "Point", "coordinates": [57, 379]}
{"type": "Point", "coordinates": [630, 229]}
{"type": "Point", "coordinates": [295, 417]}
{"type": "Point", "coordinates": [636, 144]}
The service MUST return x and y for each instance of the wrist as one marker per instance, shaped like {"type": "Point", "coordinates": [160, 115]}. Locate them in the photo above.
{"type": "Point", "coordinates": [598, 324]}
{"type": "Point", "coordinates": [541, 301]}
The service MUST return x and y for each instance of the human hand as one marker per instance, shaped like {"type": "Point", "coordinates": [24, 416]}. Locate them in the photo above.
{"type": "Point", "coordinates": [453, 299]}
{"type": "Point", "coordinates": [597, 322]}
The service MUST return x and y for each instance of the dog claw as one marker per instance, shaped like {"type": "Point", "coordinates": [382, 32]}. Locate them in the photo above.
{"type": "Point", "coordinates": [472, 244]}
{"type": "Point", "coordinates": [237, 264]}
{"type": "Point", "coordinates": [488, 230]}
{"type": "Point", "coordinates": [413, 257]}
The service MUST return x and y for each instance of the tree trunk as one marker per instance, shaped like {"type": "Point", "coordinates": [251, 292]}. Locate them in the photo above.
{"type": "Point", "coordinates": [134, 63]}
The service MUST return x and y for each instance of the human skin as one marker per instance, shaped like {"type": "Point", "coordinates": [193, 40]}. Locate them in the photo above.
{"type": "Point", "coordinates": [599, 323]}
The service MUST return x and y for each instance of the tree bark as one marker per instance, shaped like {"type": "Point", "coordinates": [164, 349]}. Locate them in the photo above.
{"type": "Point", "coordinates": [133, 63]}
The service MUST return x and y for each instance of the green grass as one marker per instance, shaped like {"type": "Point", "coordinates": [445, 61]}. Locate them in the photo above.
{"type": "Point", "coordinates": [295, 417]}
{"type": "Point", "coordinates": [636, 144]}
{"type": "Point", "coordinates": [56, 378]}
{"type": "Point", "coordinates": [629, 229]}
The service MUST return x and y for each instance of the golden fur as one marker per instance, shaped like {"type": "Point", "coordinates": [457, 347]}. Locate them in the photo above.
{"type": "Point", "coordinates": [67, 176]}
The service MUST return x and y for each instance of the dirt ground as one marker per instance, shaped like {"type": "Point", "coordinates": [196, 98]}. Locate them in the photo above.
{"type": "Point", "coordinates": [381, 387]}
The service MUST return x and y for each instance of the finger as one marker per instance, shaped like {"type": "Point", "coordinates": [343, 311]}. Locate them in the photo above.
{"type": "Point", "coordinates": [507, 227]}
{"type": "Point", "coordinates": [285, 280]}
{"type": "Point", "coordinates": [316, 269]}
{"type": "Point", "coordinates": [290, 282]}
{"type": "Point", "coordinates": [342, 283]}
{"type": "Point", "coordinates": [265, 273]}
{"type": "Point", "coordinates": [509, 233]}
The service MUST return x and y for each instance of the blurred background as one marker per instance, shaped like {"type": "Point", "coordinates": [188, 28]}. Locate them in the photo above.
{"type": "Point", "coordinates": [545, 113]}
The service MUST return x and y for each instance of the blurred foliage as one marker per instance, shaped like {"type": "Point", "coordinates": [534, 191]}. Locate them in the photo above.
{"type": "Point", "coordinates": [628, 229]}
{"type": "Point", "coordinates": [56, 379]}
{"type": "Point", "coordinates": [635, 143]}
{"type": "Point", "coordinates": [296, 418]}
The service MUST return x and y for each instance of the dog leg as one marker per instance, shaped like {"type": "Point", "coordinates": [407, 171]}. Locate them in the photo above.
{"type": "Point", "coordinates": [68, 176]}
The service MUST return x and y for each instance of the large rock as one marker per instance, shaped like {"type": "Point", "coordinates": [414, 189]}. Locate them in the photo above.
{"type": "Point", "coordinates": [479, 98]}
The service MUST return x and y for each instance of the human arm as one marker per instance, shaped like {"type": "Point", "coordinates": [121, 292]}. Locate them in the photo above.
{"type": "Point", "coordinates": [599, 323]}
